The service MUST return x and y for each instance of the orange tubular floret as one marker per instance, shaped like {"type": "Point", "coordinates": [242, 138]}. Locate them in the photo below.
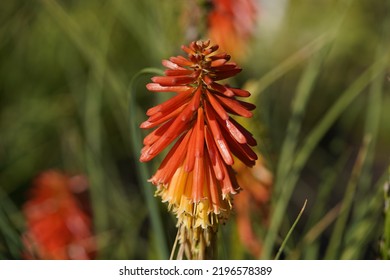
{"type": "Point", "coordinates": [240, 92]}
{"type": "Point", "coordinates": [213, 187]}
{"type": "Point", "coordinates": [169, 64]}
{"type": "Point", "coordinates": [173, 80]}
{"type": "Point", "coordinates": [172, 160]}
{"type": "Point", "coordinates": [198, 180]}
{"type": "Point", "coordinates": [159, 88]}
{"type": "Point", "coordinates": [190, 156]}
{"type": "Point", "coordinates": [199, 144]}
{"type": "Point", "coordinates": [160, 117]}
{"type": "Point", "coordinates": [222, 89]}
{"type": "Point", "coordinates": [214, 155]}
{"type": "Point", "coordinates": [176, 128]}
{"type": "Point", "coordinates": [217, 106]}
{"type": "Point", "coordinates": [235, 132]}
{"type": "Point", "coordinates": [178, 72]}
{"type": "Point", "coordinates": [218, 62]}
{"type": "Point", "coordinates": [171, 104]}
{"type": "Point", "coordinates": [248, 136]}
{"type": "Point", "coordinates": [234, 106]}
{"type": "Point", "coordinates": [194, 104]}
{"type": "Point", "coordinates": [226, 74]}
{"type": "Point", "coordinates": [241, 151]}
{"type": "Point", "coordinates": [155, 135]}
{"type": "Point", "coordinates": [218, 137]}
{"type": "Point", "coordinates": [181, 61]}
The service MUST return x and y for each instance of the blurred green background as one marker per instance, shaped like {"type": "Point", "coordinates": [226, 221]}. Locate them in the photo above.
{"type": "Point", "coordinates": [320, 77]}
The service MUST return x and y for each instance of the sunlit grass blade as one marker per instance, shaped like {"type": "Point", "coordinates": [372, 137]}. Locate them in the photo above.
{"type": "Point", "coordinates": [290, 231]}
{"type": "Point", "coordinates": [320, 227]}
{"type": "Point", "coordinates": [157, 227]}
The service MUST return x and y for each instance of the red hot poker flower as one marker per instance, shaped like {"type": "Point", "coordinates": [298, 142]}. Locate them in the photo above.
{"type": "Point", "coordinates": [57, 226]}
{"type": "Point", "coordinates": [231, 23]}
{"type": "Point", "coordinates": [196, 177]}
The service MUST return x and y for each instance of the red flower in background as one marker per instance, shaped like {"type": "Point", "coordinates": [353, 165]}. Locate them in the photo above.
{"type": "Point", "coordinates": [57, 225]}
{"type": "Point", "coordinates": [231, 24]}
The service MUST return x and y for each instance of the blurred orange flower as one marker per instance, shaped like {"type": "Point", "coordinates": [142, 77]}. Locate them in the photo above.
{"type": "Point", "coordinates": [57, 225]}
{"type": "Point", "coordinates": [252, 205]}
{"type": "Point", "coordinates": [196, 177]}
{"type": "Point", "coordinates": [231, 23]}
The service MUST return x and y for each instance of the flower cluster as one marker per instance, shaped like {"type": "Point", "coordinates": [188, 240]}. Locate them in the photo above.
{"type": "Point", "coordinates": [57, 226]}
{"type": "Point", "coordinates": [196, 177]}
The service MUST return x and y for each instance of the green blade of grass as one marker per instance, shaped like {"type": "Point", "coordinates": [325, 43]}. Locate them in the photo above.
{"type": "Point", "coordinates": [94, 165]}
{"type": "Point", "coordinates": [322, 224]}
{"type": "Point", "coordinates": [360, 232]}
{"type": "Point", "coordinates": [302, 54]}
{"type": "Point", "coordinates": [333, 249]}
{"type": "Point", "coordinates": [365, 217]}
{"type": "Point", "coordinates": [298, 111]}
{"type": "Point", "coordinates": [158, 232]}
{"type": "Point", "coordinates": [94, 55]}
{"type": "Point", "coordinates": [337, 109]}
{"type": "Point", "coordinates": [93, 152]}
{"type": "Point", "coordinates": [290, 231]}
{"type": "Point", "coordinates": [317, 221]}
{"type": "Point", "coordinates": [290, 62]}
{"type": "Point", "coordinates": [283, 193]}
{"type": "Point", "coordinates": [286, 178]}
{"type": "Point", "coordinates": [313, 139]}
{"type": "Point", "coordinates": [369, 228]}
{"type": "Point", "coordinates": [11, 220]}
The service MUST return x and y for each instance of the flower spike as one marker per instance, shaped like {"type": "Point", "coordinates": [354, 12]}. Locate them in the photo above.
{"type": "Point", "coordinates": [196, 177]}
